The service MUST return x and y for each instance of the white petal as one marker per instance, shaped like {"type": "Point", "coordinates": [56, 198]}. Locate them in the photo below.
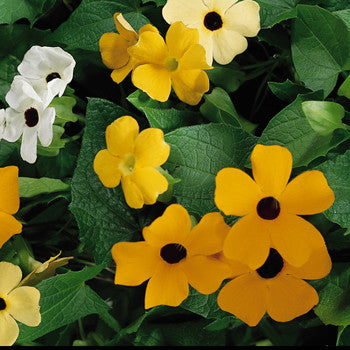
{"type": "Point", "coordinates": [14, 125]}
{"type": "Point", "coordinates": [29, 144]}
{"type": "Point", "coordinates": [2, 122]}
{"type": "Point", "coordinates": [45, 132]}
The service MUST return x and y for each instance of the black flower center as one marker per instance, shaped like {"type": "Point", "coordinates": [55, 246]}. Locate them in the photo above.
{"type": "Point", "coordinates": [268, 208]}
{"type": "Point", "coordinates": [52, 76]}
{"type": "Point", "coordinates": [31, 116]}
{"type": "Point", "coordinates": [172, 253]}
{"type": "Point", "coordinates": [272, 266]}
{"type": "Point", "coordinates": [2, 304]}
{"type": "Point", "coordinates": [212, 21]}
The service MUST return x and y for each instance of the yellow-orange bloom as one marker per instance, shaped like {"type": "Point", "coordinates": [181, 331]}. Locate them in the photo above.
{"type": "Point", "coordinates": [131, 158]}
{"type": "Point", "coordinates": [276, 288]}
{"type": "Point", "coordinates": [178, 62]}
{"type": "Point", "coordinates": [113, 47]}
{"type": "Point", "coordinates": [172, 256]}
{"type": "Point", "coordinates": [270, 208]}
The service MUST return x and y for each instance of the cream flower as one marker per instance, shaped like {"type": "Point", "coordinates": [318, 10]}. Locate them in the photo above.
{"type": "Point", "coordinates": [222, 24]}
{"type": "Point", "coordinates": [16, 303]}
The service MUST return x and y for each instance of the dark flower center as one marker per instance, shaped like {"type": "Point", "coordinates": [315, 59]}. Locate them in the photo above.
{"type": "Point", "coordinates": [268, 208]}
{"type": "Point", "coordinates": [272, 266]}
{"type": "Point", "coordinates": [212, 21]}
{"type": "Point", "coordinates": [52, 76]}
{"type": "Point", "coordinates": [2, 304]}
{"type": "Point", "coordinates": [31, 116]}
{"type": "Point", "coordinates": [172, 253]}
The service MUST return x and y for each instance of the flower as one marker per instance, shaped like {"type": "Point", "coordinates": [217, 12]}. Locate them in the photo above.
{"type": "Point", "coordinates": [276, 288]}
{"type": "Point", "coordinates": [222, 24]}
{"type": "Point", "coordinates": [16, 303]}
{"type": "Point", "coordinates": [113, 47]}
{"type": "Point", "coordinates": [48, 70]}
{"type": "Point", "coordinates": [270, 208]}
{"type": "Point", "coordinates": [29, 116]}
{"type": "Point", "coordinates": [131, 158]}
{"type": "Point", "coordinates": [173, 256]}
{"type": "Point", "coordinates": [177, 63]}
{"type": "Point", "coordinates": [9, 203]}
{"type": "Point", "coordinates": [2, 121]}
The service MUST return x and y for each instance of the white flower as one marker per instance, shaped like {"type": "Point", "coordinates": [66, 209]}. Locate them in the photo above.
{"type": "Point", "coordinates": [48, 69]}
{"type": "Point", "coordinates": [2, 122]}
{"type": "Point", "coordinates": [28, 116]}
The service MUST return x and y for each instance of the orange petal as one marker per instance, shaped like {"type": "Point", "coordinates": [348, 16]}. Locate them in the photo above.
{"type": "Point", "coordinates": [172, 227]}
{"type": "Point", "coordinates": [168, 286]}
{"type": "Point", "coordinates": [124, 28]}
{"type": "Point", "coordinates": [248, 241]}
{"type": "Point", "coordinates": [150, 148]}
{"type": "Point", "coordinates": [245, 297]}
{"type": "Point", "coordinates": [236, 193]}
{"type": "Point", "coordinates": [133, 195]}
{"type": "Point", "coordinates": [136, 262]}
{"type": "Point", "coordinates": [9, 226]}
{"type": "Point", "coordinates": [236, 267]}
{"type": "Point", "coordinates": [307, 194]}
{"type": "Point", "coordinates": [118, 75]}
{"type": "Point", "coordinates": [272, 166]}
{"type": "Point", "coordinates": [289, 297]}
{"type": "Point", "coordinates": [295, 238]}
{"type": "Point", "coordinates": [113, 48]}
{"type": "Point", "coordinates": [106, 167]}
{"type": "Point", "coordinates": [207, 237]}
{"type": "Point", "coordinates": [9, 193]}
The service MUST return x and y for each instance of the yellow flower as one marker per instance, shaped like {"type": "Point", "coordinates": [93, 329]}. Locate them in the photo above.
{"type": "Point", "coordinates": [276, 288]}
{"type": "Point", "coordinates": [222, 24]}
{"type": "Point", "coordinates": [270, 208]}
{"type": "Point", "coordinates": [131, 158]}
{"type": "Point", "coordinates": [177, 63]}
{"type": "Point", "coordinates": [16, 303]}
{"type": "Point", "coordinates": [173, 256]}
{"type": "Point", "coordinates": [113, 47]}
{"type": "Point", "coordinates": [9, 203]}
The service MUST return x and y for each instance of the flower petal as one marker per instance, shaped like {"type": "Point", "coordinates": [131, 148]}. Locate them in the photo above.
{"type": "Point", "coordinates": [124, 28]}
{"type": "Point", "coordinates": [14, 125]}
{"type": "Point", "coordinates": [148, 28]}
{"type": "Point", "coordinates": [10, 276]}
{"type": "Point", "coordinates": [9, 191]}
{"type": "Point", "coordinates": [24, 305]}
{"type": "Point", "coordinates": [45, 132]}
{"type": "Point", "coordinates": [289, 297]}
{"type": "Point", "coordinates": [172, 227]}
{"type": "Point", "coordinates": [194, 58]}
{"type": "Point", "coordinates": [29, 144]}
{"type": "Point", "coordinates": [168, 286]}
{"type": "Point", "coordinates": [307, 194]}
{"type": "Point", "coordinates": [150, 148]}
{"type": "Point", "coordinates": [106, 167]}
{"type": "Point", "coordinates": [118, 75]}
{"type": "Point", "coordinates": [248, 241]}
{"type": "Point", "coordinates": [9, 226]}
{"type": "Point", "coordinates": [8, 329]}
{"type": "Point", "coordinates": [272, 166]}
{"type": "Point", "coordinates": [236, 193]}
{"type": "Point", "coordinates": [136, 262]}
{"type": "Point", "coordinates": [133, 195]}
{"type": "Point", "coordinates": [245, 297]}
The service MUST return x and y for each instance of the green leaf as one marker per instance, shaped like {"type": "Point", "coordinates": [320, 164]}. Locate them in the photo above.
{"type": "Point", "coordinates": [344, 15]}
{"type": "Point", "coordinates": [63, 106]}
{"type": "Point", "coordinates": [197, 153]}
{"type": "Point", "coordinates": [140, 99]}
{"type": "Point", "coordinates": [102, 215]}
{"type": "Point", "coordinates": [287, 91]}
{"type": "Point", "coordinates": [57, 143]}
{"type": "Point", "coordinates": [320, 47]}
{"type": "Point", "coordinates": [344, 89]}
{"type": "Point", "coordinates": [30, 187]}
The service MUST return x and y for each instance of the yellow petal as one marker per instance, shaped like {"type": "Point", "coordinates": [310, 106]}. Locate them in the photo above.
{"type": "Point", "coordinates": [205, 274]}
{"type": "Point", "coordinates": [194, 58]}
{"type": "Point", "coordinates": [136, 262]}
{"type": "Point", "coordinates": [272, 166]}
{"type": "Point", "coordinates": [124, 28]}
{"type": "Point", "coordinates": [295, 238]}
{"type": "Point", "coordinates": [9, 194]}
{"type": "Point", "coordinates": [172, 227]}
{"type": "Point", "coordinates": [9, 226]}
{"type": "Point", "coordinates": [154, 80]}
{"type": "Point", "coordinates": [245, 297]}
{"type": "Point", "coordinates": [307, 194]}
{"type": "Point", "coordinates": [236, 193]}
{"type": "Point", "coordinates": [133, 195]}
{"type": "Point", "coordinates": [289, 297]}
{"type": "Point", "coordinates": [118, 75]}
{"type": "Point", "coordinates": [8, 329]}
{"type": "Point", "coordinates": [150, 182]}
{"type": "Point", "coordinates": [207, 237]}
{"type": "Point", "coordinates": [10, 276]}
{"type": "Point", "coordinates": [168, 286]}
{"type": "Point", "coordinates": [121, 134]}
{"type": "Point", "coordinates": [106, 167]}
{"type": "Point", "coordinates": [148, 28]}
{"type": "Point", "coordinates": [24, 305]}
{"type": "Point", "coordinates": [206, 39]}
{"type": "Point", "coordinates": [248, 241]}
{"type": "Point", "coordinates": [150, 148]}
{"type": "Point", "coordinates": [220, 5]}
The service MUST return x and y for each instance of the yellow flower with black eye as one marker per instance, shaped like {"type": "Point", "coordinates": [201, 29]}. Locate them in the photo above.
{"type": "Point", "coordinates": [222, 24]}
{"type": "Point", "coordinates": [172, 256]}
{"type": "Point", "coordinates": [177, 62]}
{"type": "Point", "coordinates": [270, 208]}
{"type": "Point", "coordinates": [131, 158]}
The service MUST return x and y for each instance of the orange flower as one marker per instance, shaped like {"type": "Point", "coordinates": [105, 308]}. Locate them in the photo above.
{"type": "Point", "coordinates": [276, 288]}
{"type": "Point", "coordinates": [270, 208]}
{"type": "Point", "coordinates": [173, 256]}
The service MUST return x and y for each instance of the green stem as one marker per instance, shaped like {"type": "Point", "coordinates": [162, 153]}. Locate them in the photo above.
{"type": "Point", "coordinates": [24, 253]}
{"type": "Point", "coordinates": [81, 329]}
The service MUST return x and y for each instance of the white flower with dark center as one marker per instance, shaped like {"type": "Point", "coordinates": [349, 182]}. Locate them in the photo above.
{"type": "Point", "coordinates": [48, 69]}
{"type": "Point", "coordinates": [28, 116]}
